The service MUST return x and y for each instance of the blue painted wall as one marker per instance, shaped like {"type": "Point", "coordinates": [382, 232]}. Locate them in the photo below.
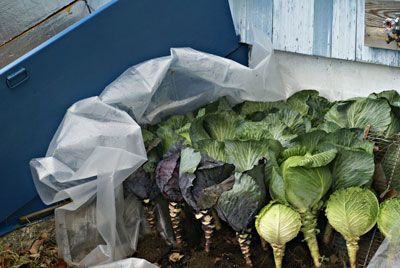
{"type": "Point", "coordinates": [329, 28]}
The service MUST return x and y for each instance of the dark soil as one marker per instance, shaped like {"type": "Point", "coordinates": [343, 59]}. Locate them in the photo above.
{"type": "Point", "coordinates": [225, 251]}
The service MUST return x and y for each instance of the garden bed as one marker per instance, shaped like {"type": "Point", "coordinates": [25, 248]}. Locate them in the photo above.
{"type": "Point", "coordinates": [225, 250]}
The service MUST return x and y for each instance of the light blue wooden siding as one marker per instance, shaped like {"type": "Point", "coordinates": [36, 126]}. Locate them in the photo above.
{"type": "Point", "coordinates": [329, 28]}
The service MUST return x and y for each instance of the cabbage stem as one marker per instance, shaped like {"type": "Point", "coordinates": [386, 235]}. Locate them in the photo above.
{"type": "Point", "coordinates": [207, 224]}
{"type": "Point", "coordinates": [244, 242]}
{"type": "Point", "coordinates": [309, 230]}
{"type": "Point", "coordinates": [352, 248]}
{"type": "Point", "coordinates": [327, 234]}
{"type": "Point", "coordinates": [175, 210]}
{"type": "Point", "coordinates": [149, 215]}
{"type": "Point", "coordinates": [217, 222]}
{"type": "Point", "coordinates": [279, 252]}
{"type": "Point", "coordinates": [264, 244]}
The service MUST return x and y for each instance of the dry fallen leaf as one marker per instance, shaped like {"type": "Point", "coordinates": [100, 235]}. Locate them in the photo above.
{"type": "Point", "coordinates": [36, 255]}
{"type": "Point", "coordinates": [35, 246]}
{"type": "Point", "coordinates": [175, 257]}
{"type": "Point", "coordinates": [44, 236]}
{"type": "Point", "coordinates": [5, 261]}
{"type": "Point", "coordinates": [60, 264]}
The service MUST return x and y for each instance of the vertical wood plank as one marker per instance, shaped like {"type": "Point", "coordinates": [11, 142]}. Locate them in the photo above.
{"type": "Point", "coordinates": [369, 54]}
{"type": "Point", "coordinates": [344, 26]}
{"type": "Point", "coordinates": [293, 25]}
{"type": "Point", "coordinates": [238, 11]}
{"type": "Point", "coordinates": [322, 41]}
{"type": "Point", "coordinates": [259, 14]}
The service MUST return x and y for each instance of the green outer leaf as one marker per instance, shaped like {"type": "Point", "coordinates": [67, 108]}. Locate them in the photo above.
{"type": "Point", "coordinates": [305, 187]}
{"type": "Point", "coordinates": [352, 168]}
{"type": "Point", "coordinates": [389, 216]}
{"type": "Point", "coordinates": [328, 126]}
{"type": "Point", "coordinates": [276, 185]}
{"type": "Point", "coordinates": [278, 223]}
{"type": "Point", "coordinates": [244, 155]}
{"type": "Point", "coordinates": [221, 105]}
{"type": "Point", "coordinates": [212, 148]}
{"type": "Point", "coordinates": [174, 122]}
{"type": "Point", "coordinates": [221, 126]}
{"type": "Point", "coordinates": [169, 137]}
{"type": "Point", "coordinates": [253, 131]}
{"type": "Point", "coordinates": [298, 101]}
{"type": "Point", "coordinates": [147, 136]}
{"type": "Point", "coordinates": [345, 139]}
{"type": "Point", "coordinates": [251, 107]}
{"type": "Point", "coordinates": [189, 161]}
{"type": "Point", "coordinates": [311, 161]}
{"type": "Point", "coordinates": [197, 131]}
{"type": "Point", "coordinates": [294, 151]}
{"type": "Point", "coordinates": [352, 211]}
{"type": "Point", "coordinates": [310, 140]}
{"type": "Point", "coordinates": [333, 116]}
{"type": "Point", "coordinates": [360, 113]}
{"type": "Point", "coordinates": [392, 96]}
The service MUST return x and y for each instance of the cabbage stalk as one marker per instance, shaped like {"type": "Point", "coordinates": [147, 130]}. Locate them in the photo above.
{"type": "Point", "coordinates": [352, 212]}
{"type": "Point", "coordinates": [306, 179]}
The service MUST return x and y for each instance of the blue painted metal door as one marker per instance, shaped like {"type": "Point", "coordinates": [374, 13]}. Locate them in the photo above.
{"type": "Point", "coordinates": [79, 63]}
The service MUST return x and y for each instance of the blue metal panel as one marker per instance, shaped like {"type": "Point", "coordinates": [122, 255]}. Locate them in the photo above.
{"type": "Point", "coordinates": [80, 62]}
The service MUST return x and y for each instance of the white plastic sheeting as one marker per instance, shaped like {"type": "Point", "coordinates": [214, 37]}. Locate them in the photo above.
{"type": "Point", "coordinates": [128, 263]}
{"type": "Point", "coordinates": [98, 144]}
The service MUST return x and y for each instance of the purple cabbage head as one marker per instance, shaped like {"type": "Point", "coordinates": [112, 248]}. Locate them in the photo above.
{"type": "Point", "coordinates": [167, 174]}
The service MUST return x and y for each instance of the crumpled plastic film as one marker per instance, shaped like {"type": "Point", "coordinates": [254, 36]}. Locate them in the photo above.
{"type": "Point", "coordinates": [388, 253]}
{"type": "Point", "coordinates": [189, 79]}
{"type": "Point", "coordinates": [98, 144]}
{"type": "Point", "coordinates": [128, 263]}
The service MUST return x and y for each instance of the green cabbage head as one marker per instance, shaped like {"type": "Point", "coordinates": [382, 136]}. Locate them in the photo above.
{"type": "Point", "coordinates": [277, 223]}
{"type": "Point", "coordinates": [352, 212]}
{"type": "Point", "coordinates": [389, 215]}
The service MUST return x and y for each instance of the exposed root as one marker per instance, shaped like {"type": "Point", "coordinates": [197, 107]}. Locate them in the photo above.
{"type": "Point", "coordinates": [175, 214]}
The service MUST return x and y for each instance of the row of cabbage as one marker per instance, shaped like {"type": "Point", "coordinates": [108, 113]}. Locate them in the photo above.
{"type": "Point", "coordinates": [273, 165]}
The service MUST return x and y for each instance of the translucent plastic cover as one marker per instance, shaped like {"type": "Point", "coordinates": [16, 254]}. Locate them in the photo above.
{"type": "Point", "coordinates": [98, 144]}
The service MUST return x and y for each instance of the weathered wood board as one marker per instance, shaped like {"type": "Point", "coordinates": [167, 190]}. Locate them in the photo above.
{"type": "Point", "coordinates": [28, 23]}
{"type": "Point", "coordinates": [328, 28]}
{"type": "Point", "coordinates": [17, 16]}
{"type": "Point", "coordinates": [375, 14]}
{"type": "Point", "coordinates": [44, 30]}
